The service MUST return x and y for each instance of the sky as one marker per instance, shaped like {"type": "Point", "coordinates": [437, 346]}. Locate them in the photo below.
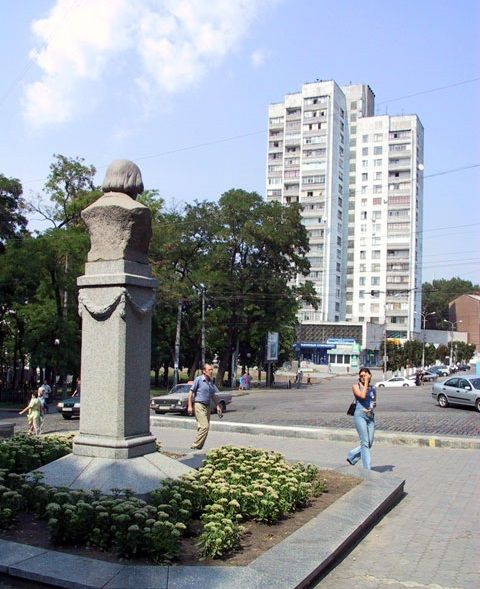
{"type": "Point", "coordinates": [182, 87]}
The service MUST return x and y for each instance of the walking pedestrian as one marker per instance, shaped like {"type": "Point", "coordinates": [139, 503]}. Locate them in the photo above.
{"type": "Point", "coordinates": [46, 394]}
{"type": "Point", "coordinates": [34, 409]}
{"type": "Point", "coordinates": [200, 396]}
{"type": "Point", "coordinates": [364, 418]}
{"type": "Point", "coordinates": [43, 409]}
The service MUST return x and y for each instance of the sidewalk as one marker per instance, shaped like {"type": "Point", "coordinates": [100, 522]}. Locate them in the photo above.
{"type": "Point", "coordinates": [430, 540]}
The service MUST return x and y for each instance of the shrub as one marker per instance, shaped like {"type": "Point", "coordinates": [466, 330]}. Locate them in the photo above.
{"type": "Point", "coordinates": [233, 484]}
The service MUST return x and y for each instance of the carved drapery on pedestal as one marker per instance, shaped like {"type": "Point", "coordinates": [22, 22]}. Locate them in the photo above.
{"type": "Point", "coordinates": [102, 312]}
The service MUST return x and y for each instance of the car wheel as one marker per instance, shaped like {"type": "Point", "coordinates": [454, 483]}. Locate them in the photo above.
{"type": "Point", "coordinates": [477, 404]}
{"type": "Point", "coordinates": [442, 401]}
{"type": "Point", "coordinates": [405, 385]}
{"type": "Point", "coordinates": [158, 412]}
{"type": "Point", "coordinates": [381, 386]}
{"type": "Point", "coordinates": [223, 407]}
{"type": "Point", "coordinates": [66, 416]}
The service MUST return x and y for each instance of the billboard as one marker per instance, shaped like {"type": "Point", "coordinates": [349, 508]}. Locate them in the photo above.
{"type": "Point", "coordinates": [272, 346]}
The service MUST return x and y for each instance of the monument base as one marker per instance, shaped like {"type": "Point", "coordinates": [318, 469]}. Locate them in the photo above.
{"type": "Point", "coordinates": [140, 475]}
{"type": "Point", "coordinates": [107, 447]}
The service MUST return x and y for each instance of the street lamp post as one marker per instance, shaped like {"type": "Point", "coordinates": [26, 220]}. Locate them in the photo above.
{"type": "Point", "coordinates": [424, 320]}
{"type": "Point", "coordinates": [452, 325]}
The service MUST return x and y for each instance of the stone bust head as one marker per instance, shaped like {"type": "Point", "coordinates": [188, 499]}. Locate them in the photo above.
{"type": "Point", "coordinates": [123, 176]}
{"type": "Point", "coordinates": [118, 225]}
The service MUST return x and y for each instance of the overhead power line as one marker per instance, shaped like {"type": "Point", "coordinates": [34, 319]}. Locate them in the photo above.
{"type": "Point", "coordinates": [437, 89]}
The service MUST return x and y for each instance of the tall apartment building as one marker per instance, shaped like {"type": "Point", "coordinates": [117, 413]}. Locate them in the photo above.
{"type": "Point", "coordinates": [359, 179]}
{"type": "Point", "coordinates": [308, 164]}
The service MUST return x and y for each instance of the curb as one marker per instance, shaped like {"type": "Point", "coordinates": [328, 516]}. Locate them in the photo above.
{"type": "Point", "coordinates": [292, 564]}
{"type": "Point", "coordinates": [324, 433]}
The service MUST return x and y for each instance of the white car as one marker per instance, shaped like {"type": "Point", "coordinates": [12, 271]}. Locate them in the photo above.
{"type": "Point", "coordinates": [396, 381]}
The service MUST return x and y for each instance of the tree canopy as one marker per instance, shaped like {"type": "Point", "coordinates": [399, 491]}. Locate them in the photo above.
{"type": "Point", "coordinates": [12, 210]}
{"type": "Point", "coordinates": [438, 294]}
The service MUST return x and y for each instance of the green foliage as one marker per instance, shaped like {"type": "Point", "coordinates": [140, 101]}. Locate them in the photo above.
{"type": "Point", "coordinates": [464, 352]}
{"type": "Point", "coordinates": [70, 188]}
{"type": "Point", "coordinates": [436, 296]}
{"type": "Point", "coordinates": [12, 209]}
{"type": "Point", "coordinates": [245, 483]}
{"type": "Point", "coordinates": [234, 484]}
{"type": "Point", "coordinates": [221, 532]}
{"type": "Point", "coordinates": [22, 453]}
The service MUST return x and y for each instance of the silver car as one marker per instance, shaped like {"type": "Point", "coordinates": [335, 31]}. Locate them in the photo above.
{"type": "Point", "coordinates": [458, 390]}
{"type": "Point", "coordinates": [176, 401]}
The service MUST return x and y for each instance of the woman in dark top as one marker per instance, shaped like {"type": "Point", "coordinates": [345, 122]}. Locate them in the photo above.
{"type": "Point", "coordinates": [363, 418]}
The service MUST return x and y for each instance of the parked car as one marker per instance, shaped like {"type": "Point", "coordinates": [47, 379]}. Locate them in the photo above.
{"type": "Point", "coordinates": [458, 390]}
{"type": "Point", "coordinates": [463, 366]}
{"type": "Point", "coordinates": [440, 370]}
{"type": "Point", "coordinates": [428, 376]}
{"type": "Point", "coordinates": [396, 381]}
{"type": "Point", "coordinates": [70, 406]}
{"type": "Point", "coordinates": [176, 400]}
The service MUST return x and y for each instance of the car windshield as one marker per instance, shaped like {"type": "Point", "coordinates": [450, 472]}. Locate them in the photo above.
{"type": "Point", "coordinates": [180, 388]}
{"type": "Point", "coordinates": [476, 383]}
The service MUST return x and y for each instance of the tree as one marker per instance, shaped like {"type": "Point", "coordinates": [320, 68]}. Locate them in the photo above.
{"type": "Point", "coordinates": [70, 188]}
{"type": "Point", "coordinates": [256, 251]}
{"type": "Point", "coordinates": [463, 352]}
{"type": "Point", "coordinates": [12, 208]}
{"type": "Point", "coordinates": [438, 294]}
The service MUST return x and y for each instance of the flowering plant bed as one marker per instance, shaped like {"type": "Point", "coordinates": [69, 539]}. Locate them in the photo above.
{"type": "Point", "coordinates": [240, 502]}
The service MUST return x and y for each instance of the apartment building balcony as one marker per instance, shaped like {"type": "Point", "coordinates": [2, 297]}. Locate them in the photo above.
{"type": "Point", "coordinates": [399, 192]}
{"type": "Point", "coordinates": [398, 269]}
{"type": "Point", "coordinates": [402, 166]}
{"type": "Point", "coordinates": [292, 140]}
{"type": "Point", "coordinates": [294, 116]}
{"type": "Point", "coordinates": [395, 150]}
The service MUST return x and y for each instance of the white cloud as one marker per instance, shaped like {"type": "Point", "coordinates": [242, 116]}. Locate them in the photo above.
{"type": "Point", "coordinates": [173, 43]}
{"type": "Point", "coordinates": [258, 58]}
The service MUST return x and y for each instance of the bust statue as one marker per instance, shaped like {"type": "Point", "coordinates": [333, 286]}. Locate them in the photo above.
{"type": "Point", "coordinates": [119, 227]}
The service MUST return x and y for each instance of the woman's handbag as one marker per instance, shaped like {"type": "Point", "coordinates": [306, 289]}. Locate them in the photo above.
{"type": "Point", "coordinates": [351, 409]}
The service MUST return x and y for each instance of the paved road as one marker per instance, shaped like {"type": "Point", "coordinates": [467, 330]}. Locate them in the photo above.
{"type": "Point", "coordinates": [404, 410]}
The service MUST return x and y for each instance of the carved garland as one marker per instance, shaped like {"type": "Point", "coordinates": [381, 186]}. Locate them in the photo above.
{"type": "Point", "coordinates": [101, 313]}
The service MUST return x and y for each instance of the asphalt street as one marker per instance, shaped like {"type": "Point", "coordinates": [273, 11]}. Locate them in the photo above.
{"type": "Point", "coordinates": [411, 410]}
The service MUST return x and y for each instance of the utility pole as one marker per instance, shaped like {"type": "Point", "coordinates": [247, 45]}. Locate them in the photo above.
{"type": "Point", "coordinates": [202, 286]}
{"type": "Point", "coordinates": [424, 320]}
{"type": "Point", "coordinates": [452, 325]}
{"type": "Point", "coordinates": [176, 360]}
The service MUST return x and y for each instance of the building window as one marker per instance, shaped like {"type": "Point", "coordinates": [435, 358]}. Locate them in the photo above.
{"type": "Point", "coordinates": [365, 138]}
{"type": "Point", "coordinates": [378, 137]}
{"type": "Point", "coordinates": [377, 163]}
{"type": "Point", "coordinates": [378, 175]}
{"type": "Point", "coordinates": [364, 150]}
{"type": "Point", "coordinates": [364, 176]}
